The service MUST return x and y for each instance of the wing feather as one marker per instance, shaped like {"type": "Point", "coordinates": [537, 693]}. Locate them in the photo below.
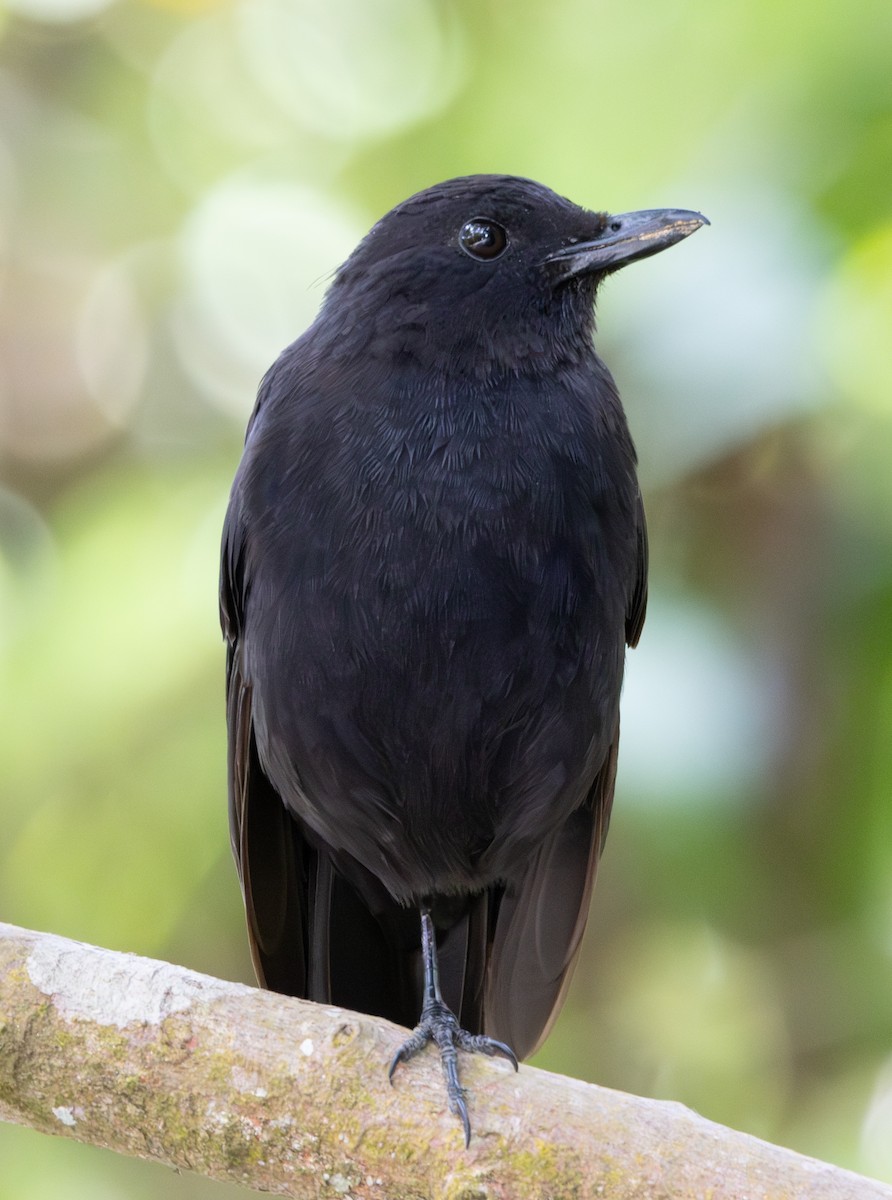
{"type": "Point", "coordinates": [266, 843]}
{"type": "Point", "coordinates": [540, 923]}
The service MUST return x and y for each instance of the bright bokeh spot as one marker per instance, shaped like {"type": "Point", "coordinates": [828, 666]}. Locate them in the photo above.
{"type": "Point", "coordinates": [857, 327]}
{"type": "Point", "coordinates": [696, 1009]}
{"type": "Point", "coordinates": [353, 68]}
{"type": "Point", "coordinates": [58, 11]}
{"type": "Point", "coordinates": [74, 351]}
{"type": "Point", "coordinates": [111, 343]}
{"type": "Point", "coordinates": [257, 256]}
{"type": "Point", "coordinates": [876, 1141]}
{"type": "Point", "coordinates": [304, 80]}
{"type": "Point", "coordinates": [717, 346]}
{"type": "Point", "coordinates": [699, 719]}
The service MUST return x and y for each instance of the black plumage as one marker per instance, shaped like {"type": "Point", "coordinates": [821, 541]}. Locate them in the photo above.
{"type": "Point", "coordinates": [433, 559]}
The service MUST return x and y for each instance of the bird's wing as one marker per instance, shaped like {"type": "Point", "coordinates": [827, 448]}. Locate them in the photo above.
{"type": "Point", "coordinates": [638, 602]}
{"type": "Point", "coordinates": [318, 927]}
{"type": "Point", "coordinates": [266, 842]}
{"type": "Point", "coordinates": [539, 924]}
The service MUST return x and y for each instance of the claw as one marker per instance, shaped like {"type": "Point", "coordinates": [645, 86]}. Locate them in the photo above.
{"type": "Point", "coordinates": [479, 1044]}
{"type": "Point", "coordinates": [461, 1110]}
{"type": "Point", "coordinates": [439, 1024]}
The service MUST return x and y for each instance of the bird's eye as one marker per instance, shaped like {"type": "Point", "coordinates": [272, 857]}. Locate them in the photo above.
{"type": "Point", "coordinates": [482, 238]}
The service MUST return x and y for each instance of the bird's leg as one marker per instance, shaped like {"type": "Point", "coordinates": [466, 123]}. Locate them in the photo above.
{"type": "Point", "coordinates": [439, 1024]}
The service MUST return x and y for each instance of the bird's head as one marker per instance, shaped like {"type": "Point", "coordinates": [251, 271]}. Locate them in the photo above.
{"type": "Point", "coordinates": [488, 270]}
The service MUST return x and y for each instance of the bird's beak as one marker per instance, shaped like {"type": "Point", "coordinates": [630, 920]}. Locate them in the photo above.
{"type": "Point", "coordinates": [625, 237]}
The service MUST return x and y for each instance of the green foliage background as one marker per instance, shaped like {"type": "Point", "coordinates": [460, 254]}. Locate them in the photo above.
{"type": "Point", "coordinates": [177, 179]}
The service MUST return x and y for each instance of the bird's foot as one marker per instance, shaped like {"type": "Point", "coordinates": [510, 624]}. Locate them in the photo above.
{"type": "Point", "coordinates": [439, 1024]}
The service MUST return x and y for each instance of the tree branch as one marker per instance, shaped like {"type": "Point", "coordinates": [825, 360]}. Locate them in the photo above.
{"type": "Point", "coordinates": [289, 1097]}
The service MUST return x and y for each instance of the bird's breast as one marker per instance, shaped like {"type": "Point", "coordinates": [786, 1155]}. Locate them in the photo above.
{"type": "Point", "coordinates": [447, 632]}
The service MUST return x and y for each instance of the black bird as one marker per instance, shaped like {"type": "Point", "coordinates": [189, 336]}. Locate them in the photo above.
{"type": "Point", "coordinates": [433, 559]}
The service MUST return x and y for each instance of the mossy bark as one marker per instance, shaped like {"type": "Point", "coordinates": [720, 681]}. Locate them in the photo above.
{"type": "Point", "coordinates": [292, 1098]}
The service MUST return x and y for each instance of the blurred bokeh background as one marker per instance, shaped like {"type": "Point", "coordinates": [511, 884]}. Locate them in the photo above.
{"type": "Point", "coordinates": [177, 180]}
